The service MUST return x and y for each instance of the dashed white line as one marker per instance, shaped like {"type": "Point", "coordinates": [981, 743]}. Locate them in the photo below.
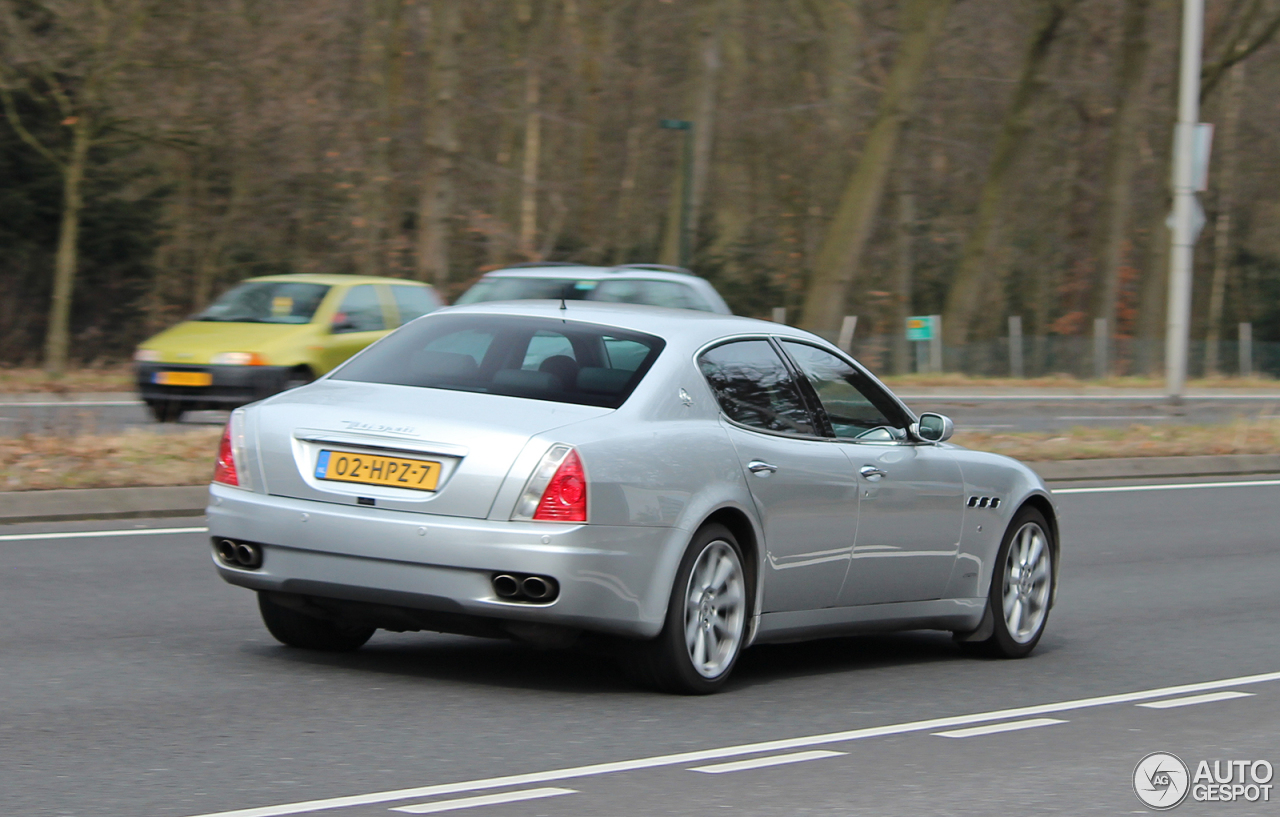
{"type": "Point", "coordinates": [996, 728]}
{"type": "Point", "coordinates": [483, 800]}
{"type": "Point", "coordinates": [1112, 417]}
{"type": "Point", "coordinates": [1198, 699]}
{"type": "Point", "coordinates": [1178, 486]}
{"type": "Point", "coordinates": [73, 403]}
{"type": "Point", "coordinates": [765, 762]}
{"type": "Point", "coordinates": [93, 534]}
{"type": "Point", "coordinates": [659, 761]}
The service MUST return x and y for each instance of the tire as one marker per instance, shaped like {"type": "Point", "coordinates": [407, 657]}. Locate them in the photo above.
{"type": "Point", "coordinates": [298, 376]}
{"type": "Point", "coordinates": [1024, 571]}
{"type": "Point", "coordinates": [165, 411]}
{"type": "Point", "coordinates": [708, 608]}
{"type": "Point", "coordinates": [295, 629]}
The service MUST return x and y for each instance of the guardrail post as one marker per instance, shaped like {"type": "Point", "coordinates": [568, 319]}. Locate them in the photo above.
{"type": "Point", "coordinates": [847, 328]}
{"type": "Point", "coordinates": [779, 314]}
{"type": "Point", "coordinates": [1100, 367]}
{"type": "Point", "coordinates": [1015, 346]}
{"type": "Point", "coordinates": [935, 345]}
{"type": "Point", "coordinates": [1246, 350]}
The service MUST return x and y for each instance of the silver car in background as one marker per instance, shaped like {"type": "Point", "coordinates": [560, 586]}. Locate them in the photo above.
{"type": "Point", "coordinates": [650, 284]}
{"type": "Point", "coordinates": [685, 484]}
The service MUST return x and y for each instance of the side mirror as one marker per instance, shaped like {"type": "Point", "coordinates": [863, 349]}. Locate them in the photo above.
{"type": "Point", "coordinates": [934, 428]}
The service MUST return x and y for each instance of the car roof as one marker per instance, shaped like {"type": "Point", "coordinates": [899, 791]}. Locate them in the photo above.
{"type": "Point", "coordinates": [648, 272]}
{"type": "Point", "coordinates": [683, 326]}
{"type": "Point", "coordinates": [334, 279]}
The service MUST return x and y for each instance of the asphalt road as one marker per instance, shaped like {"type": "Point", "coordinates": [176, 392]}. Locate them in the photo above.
{"type": "Point", "coordinates": [987, 412]}
{"type": "Point", "coordinates": [133, 682]}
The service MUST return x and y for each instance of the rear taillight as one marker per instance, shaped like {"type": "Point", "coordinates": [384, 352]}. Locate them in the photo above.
{"type": "Point", "coordinates": [229, 468]}
{"type": "Point", "coordinates": [224, 470]}
{"type": "Point", "coordinates": [557, 491]}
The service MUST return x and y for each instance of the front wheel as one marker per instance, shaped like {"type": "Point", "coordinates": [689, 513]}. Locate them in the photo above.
{"type": "Point", "coordinates": [1021, 587]}
{"type": "Point", "coordinates": [165, 411]}
{"type": "Point", "coordinates": [295, 629]}
{"type": "Point", "coordinates": [706, 619]}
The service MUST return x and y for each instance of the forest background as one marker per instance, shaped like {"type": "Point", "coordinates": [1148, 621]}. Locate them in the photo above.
{"type": "Point", "coordinates": [970, 158]}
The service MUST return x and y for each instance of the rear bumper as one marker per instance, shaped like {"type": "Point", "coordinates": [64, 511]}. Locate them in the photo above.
{"type": "Point", "coordinates": [614, 580]}
{"type": "Point", "coordinates": [232, 385]}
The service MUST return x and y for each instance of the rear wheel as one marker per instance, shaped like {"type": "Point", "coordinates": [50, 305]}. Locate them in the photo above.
{"type": "Point", "coordinates": [295, 629]}
{"type": "Point", "coordinates": [1021, 587]}
{"type": "Point", "coordinates": [165, 411]}
{"type": "Point", "coordinates": [706, 619]}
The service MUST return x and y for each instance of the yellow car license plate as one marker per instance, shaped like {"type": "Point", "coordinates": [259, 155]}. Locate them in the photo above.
{"type": "Point", "coordinates": [183, 379]}
{"type": "Point", "coordinates": [343, 466]}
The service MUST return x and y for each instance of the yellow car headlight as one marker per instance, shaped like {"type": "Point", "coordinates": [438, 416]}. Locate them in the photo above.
{"type": "Point", "coordinates": [146, 355]}
{"type": "Point", "coordinates": [237, 359]}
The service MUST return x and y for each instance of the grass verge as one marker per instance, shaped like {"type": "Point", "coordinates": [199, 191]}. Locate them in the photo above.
{"type": "Point", "coordinates": [142, 458]}
{"type": "Point", "coordinates": [27, 380]}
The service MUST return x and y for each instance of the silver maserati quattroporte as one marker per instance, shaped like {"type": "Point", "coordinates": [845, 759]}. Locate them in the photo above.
{"type": "Point", "coordinates": [678, 484]}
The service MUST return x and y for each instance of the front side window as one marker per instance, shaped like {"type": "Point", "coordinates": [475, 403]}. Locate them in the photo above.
{"type": "Point", "coordinates": [856, 408]}
{"type": "Point", "coordinates": [754, 387]}
{"type": "Point", "coordinates": [512, 288]}
{"type": "Point", "coordinates": [537, 358]}
{"type": "Point", "coordinates": [360, 311]}
{"type": "Point", "coordinates": [267, 302]}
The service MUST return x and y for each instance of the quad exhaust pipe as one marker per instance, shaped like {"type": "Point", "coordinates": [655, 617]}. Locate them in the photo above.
{"type": "Point", "coordinates": [524, 587]}
{"type": "Point", "coordinates": [245, 555]}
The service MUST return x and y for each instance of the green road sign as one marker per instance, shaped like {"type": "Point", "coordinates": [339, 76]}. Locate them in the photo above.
{"type": "Point", "coordinates": [920, 327]}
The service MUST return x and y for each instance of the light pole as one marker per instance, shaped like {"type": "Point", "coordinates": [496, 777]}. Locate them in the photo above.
{"type": "Point", "coordinates": [1187, 216]}
{"type": "Point", "coordinates": [686, 183]}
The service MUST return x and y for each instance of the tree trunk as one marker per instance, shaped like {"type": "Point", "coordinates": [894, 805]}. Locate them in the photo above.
{"type": "Point", "coordinates": [528, 235]}
{"type": "Point", "coordinates": [435, 207]}
{"type": "Point", "coordinates": [1118, 171]}
{"type": "Point", "coordinates": [837, 264]}
{"type": "Point", "coordinates": [1222, 225]}
{"type": "Point", "coordinates": [904, 269]}
{"type": "Point", "coordinates": [966, 288]}
{"type": "Point", "coordinates": [58, 333]}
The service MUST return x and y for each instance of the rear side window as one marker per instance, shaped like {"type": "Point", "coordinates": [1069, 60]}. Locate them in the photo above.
{"type": "Point", "coordinates": [537, 358]}
{"type": "Point", "coordinates": [653, 293]}
{"type": "Point", "coordinates": [360, 311]}
{"type": "Point", "coordinates": [755, 388]}
{"type": "Point", "coordinates": [414, 302]}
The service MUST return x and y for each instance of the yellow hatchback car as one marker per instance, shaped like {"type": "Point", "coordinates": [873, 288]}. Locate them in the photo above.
{"type": "Point", "coordinates": [270, 334]}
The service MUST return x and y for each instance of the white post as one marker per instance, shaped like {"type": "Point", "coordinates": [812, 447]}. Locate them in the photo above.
{"type": "Point", "coordinates": [1246, 350]}
{"type": "Point", "coordinates": [1185, 206]}
{"type": "Point", "coordinates": [847, 327]}
{"type": "Point", "coordinates": [1015, 346]}
{"type": "Point", "coordinates": [935, 345]}
{"type": "Point", "coordinates": [779, 314]}
{"type": "Point", "coordinates": [1100, 363]}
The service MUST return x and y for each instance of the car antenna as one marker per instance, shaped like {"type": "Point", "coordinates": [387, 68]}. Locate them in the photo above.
{"type": "Point", "coordinates": [563, 305]}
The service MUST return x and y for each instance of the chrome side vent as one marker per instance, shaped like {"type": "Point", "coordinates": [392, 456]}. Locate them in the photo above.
{"type": "Point", "coordinates": [984, 502]}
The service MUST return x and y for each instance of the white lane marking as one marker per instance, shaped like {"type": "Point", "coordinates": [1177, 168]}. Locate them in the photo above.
{"type": "Point", "coordinates": [1198, 699]}
{"type": "Point", "coordinates": [93, 534]}
{"type": "Point", "coordinates": [765, 762]}
{"type": "Point", "coordinates": [1079, 398]}
{"type": "Point", "coordinates": [73, 404]}
{"type": "Point", "coordinates": [658, 761]}
{"type": "Point", "coordinates": [1113, 417]}
{"type": "Point", "coordinates": [1179, 486]}
{"type": "Point", "coordinates": [996, 728]}
{"type": "Point", "coordinates": [484, 800]}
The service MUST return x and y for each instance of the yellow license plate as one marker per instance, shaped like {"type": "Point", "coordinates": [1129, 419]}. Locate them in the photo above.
{"type": "Point", "coordinates": [343, 466]}
{"type": "Point", "coordinates": [183, 379]}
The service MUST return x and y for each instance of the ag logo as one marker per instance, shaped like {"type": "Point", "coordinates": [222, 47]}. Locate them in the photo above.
{"type": "Point", "coordinates": [1161, 781]}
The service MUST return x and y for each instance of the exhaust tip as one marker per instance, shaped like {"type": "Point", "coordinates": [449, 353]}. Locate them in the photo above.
{"type": "Point", "coordinates": [506, 586]}
{"type": "Point", "coordinates": [536, 588]}
{"type": "Point", "coordinates": [226, 550]}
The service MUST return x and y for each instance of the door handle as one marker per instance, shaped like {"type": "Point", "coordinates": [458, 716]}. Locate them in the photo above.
{"type": "Point", "coordinates": [761, 468]}
{"type": "Point", "coordinates": [871, 472]}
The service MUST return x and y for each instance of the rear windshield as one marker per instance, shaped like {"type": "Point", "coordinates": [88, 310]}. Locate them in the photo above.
{"type": "Point", "coordinates": [267, 302]}
{"type": "Point", "coordinates": [537, 358]}
{"type": "Point", "coordinates": [653, 293]}
{"type": "Point", "coordinates": [502, 288]}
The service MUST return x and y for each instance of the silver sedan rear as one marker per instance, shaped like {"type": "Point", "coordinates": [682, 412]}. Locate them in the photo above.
{"type": "Point", "coordinates": [685, 484]}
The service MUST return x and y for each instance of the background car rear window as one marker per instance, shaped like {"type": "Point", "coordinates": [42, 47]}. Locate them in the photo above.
{"type": "Point", "coordinates": [653, 293]}
{"type": "Point", "coordinates": [536, 358]}
{"type": "Point", "coordinates": [755, 388]}
{"type": "Point", "coordinates": [360, 311]}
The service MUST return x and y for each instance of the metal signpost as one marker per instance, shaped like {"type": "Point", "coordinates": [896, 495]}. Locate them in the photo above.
{"type": "Point", "coordinates": [926, 329]}
{"type": "Point", "coordinates": [686, 183]}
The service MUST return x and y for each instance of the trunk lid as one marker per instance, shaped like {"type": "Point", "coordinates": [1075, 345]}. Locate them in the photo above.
{"type": "Point", "coordinates": [474, 438]}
